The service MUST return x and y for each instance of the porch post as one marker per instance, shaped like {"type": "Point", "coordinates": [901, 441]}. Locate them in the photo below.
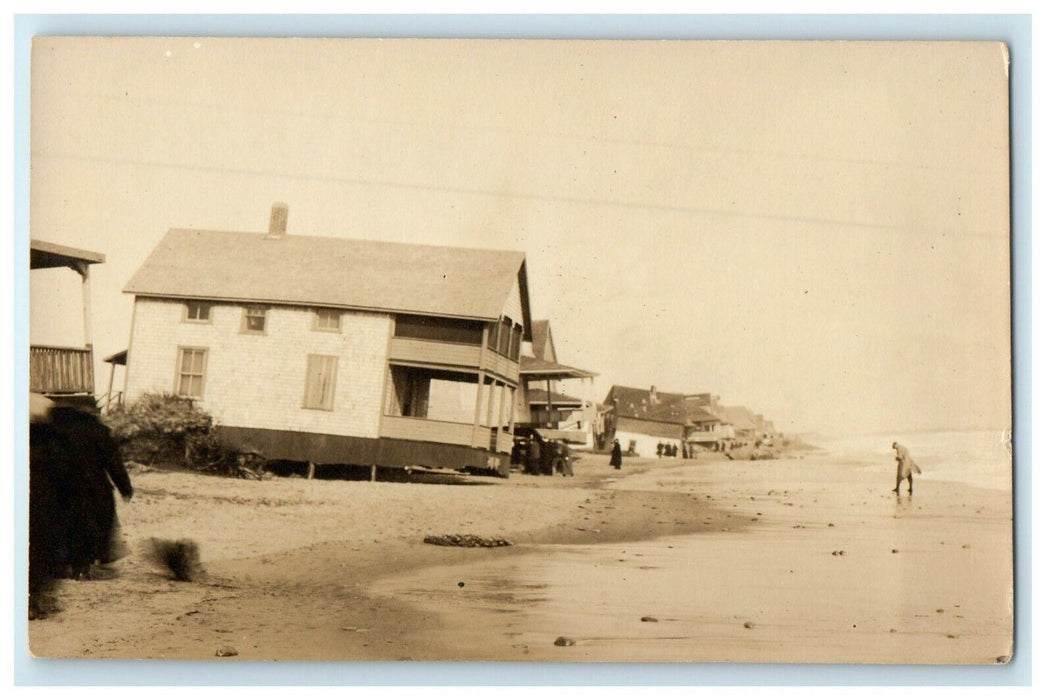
{"type": "Point", "coordinates": [582, 426]}
{"type": "Point", "coordinates": [512, 414]}
{"type": "Point", "coordinates": [501, 408]}
{"type": "Point", "coordinates": [548, 403]}
{"type": "Point", "coordinates": [109, 387]}
{"type": "Point", "coordinates": [85, 286]}
{"type": "Point", "coordinates": [478, 405]}
{"type": "Point", "coordinates": [482, 381]}
{"type": "Point", "coordinates": [490, 406]}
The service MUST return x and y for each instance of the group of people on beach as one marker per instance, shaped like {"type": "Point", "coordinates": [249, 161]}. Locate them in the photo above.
{"type": "Point", "coordinates": [556, 458]}
{"type": "Point", "coordinates": [667, 449]}
{"type": "Point", "coordinates": [906, 468]}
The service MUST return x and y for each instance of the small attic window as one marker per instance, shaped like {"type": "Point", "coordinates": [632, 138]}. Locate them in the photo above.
{"type": "Point", "coordinates": [327, 320]}
{"type": "Point", "coordinates": [197, 311]}
{"type": "Point", "coordinates": [254, 320]}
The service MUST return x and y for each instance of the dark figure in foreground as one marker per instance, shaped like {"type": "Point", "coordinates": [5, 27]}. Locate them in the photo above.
{"type": "Point", "coordinates": [660, 450]}
{"type": "Point", "coordinates": [74, 465]}
{"type": "Point", "coordinates": [905, 468]}
{"type": "Point", "coordinates": [616, 455]}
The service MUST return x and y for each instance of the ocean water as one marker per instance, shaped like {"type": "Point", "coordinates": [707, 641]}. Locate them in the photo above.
{"type": "Point", "coordinates": [979, 458]}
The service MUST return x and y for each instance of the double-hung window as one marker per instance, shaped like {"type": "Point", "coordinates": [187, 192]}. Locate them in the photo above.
{"type": "Point", "coordinates": [254, 320]}
{"type": "Point", "coordinates": [190, 372]}
{"type": "Point", "coordinates": [327, 320]}
{"type": "Point", "coordinates": [197, 311]}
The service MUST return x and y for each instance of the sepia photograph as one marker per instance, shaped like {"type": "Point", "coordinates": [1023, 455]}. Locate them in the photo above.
{"type": "Point", "coordinates": [520, 350]}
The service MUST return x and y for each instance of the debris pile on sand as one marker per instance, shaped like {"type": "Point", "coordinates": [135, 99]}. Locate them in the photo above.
{"type": "Point", "coordinates": [467, 541]}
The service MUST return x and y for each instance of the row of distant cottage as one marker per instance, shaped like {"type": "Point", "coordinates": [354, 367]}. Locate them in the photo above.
{"type": "Point", "coordinates": [330, 350]}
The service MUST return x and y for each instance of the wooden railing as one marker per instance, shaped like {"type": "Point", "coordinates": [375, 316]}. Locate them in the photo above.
{"type": "Point", "coordinates": [500, 365]}
{"type": "Point", "coordinates": [406, 428]}
{"type": "Point", "coordinates": [58, 370]}
{"type": "Point", "coordinates": [433, 352]}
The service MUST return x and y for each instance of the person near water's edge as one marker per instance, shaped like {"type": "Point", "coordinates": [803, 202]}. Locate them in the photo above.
{"type": "Point", "coordinates": [616, 455]}
{"type": "Point", "coordinates": [905, 468]}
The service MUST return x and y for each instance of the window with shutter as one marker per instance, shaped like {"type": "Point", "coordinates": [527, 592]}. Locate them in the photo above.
{"type": "Point", "coordinates": [321, 382]}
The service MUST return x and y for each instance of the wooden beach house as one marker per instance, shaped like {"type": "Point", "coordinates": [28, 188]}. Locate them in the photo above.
{"type": "Point", "coordinates": [543, 405]}
{"type": "Point", "coordinates": [64, 374]}
{"type": "Point", "coordinates": [743, 422]}
{"type": "Point", "coordinates": [643, 418]}
{"type": "Point", "coordinates": [331, 350]}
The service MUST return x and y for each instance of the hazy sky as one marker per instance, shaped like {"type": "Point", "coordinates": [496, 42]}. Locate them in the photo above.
{"type": "Point", "coordinates": [818, 231]}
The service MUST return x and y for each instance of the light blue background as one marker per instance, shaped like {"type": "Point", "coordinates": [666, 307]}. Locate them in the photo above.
{"type": "Point", "coordinates": [1013, 29]}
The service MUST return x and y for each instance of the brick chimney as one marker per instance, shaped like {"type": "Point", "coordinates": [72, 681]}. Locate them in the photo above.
{"type": "Point", "coordinates": [279, 219]}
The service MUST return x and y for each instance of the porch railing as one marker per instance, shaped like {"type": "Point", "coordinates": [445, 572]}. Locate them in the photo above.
{"type": "Point", "coordinates": [60, 370]}
{"type": "Point", "coordinates": [407, 428]}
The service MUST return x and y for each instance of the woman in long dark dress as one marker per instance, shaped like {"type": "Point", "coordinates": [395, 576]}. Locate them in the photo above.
{"type": "Point", "coordinates": [616, 455]}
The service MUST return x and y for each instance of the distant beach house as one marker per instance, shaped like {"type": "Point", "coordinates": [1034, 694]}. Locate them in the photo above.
{"type": "Point", "coordinates": [332, 350]}
{"type": "Point", "coordinates": [647, 417]}
{"type": "Point", "coordinates": [707, 430]}
{"type": "Point", "coordinates": [543, 406]}
{"type": "Point", "coordinates": [742, 420]}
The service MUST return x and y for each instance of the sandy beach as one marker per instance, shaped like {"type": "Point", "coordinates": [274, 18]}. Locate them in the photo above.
{"type": "Point", "coordinates": [807, 559]}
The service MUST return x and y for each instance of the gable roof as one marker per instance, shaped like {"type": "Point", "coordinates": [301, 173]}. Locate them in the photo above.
{"type": "Point", "coordinates": [336, 272]}
{"type": "Point", "coordinates": [699, 409]}
{"type": "Point", "coordinates": [637, 403]}
{"type": "Point", "coordinates": [702, 416]}
{"type": "Point", "coordinates": [542, 333]}
{"type": "Point", "coordinates": [740, 417]}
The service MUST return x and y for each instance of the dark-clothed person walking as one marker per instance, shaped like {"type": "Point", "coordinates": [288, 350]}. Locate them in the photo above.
{"type": "Point", "coordinates": [616, 455]}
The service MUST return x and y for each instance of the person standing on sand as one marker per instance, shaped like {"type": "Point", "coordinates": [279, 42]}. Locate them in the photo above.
{"type": "Point", "coordinates": [533, 456]}
{"type": "Point", "coordinates": [905, 468]}
{"type": "Point", "coordinates": [616, 455]}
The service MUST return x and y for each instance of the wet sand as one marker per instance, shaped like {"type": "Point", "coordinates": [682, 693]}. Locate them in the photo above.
{"type": "Point", "coordinates": [731, 560]}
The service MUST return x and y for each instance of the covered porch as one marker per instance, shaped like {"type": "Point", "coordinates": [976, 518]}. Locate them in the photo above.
{"type": "Point", "coordinates": [548, 408]}
{"type": "Point", "coordinates": [450, 407]}
{"type": "Point", "coordinates": [61, 371]}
